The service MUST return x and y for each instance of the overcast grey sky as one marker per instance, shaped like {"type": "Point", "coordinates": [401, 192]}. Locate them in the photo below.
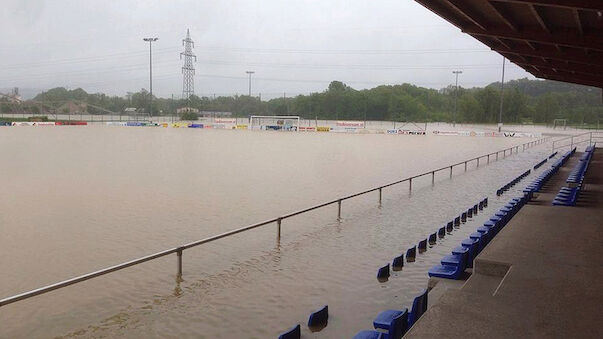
{"type": "Point", "coordinates": [293, 46]}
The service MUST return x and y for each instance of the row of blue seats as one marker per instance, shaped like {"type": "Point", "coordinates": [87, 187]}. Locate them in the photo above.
{"type": "Point", "coordinates": [506, 187]}
{"type": "Point", "coordinates": [317, 321]}
{"type": "Point", "coordinates": [384, 272]}
{"type": "Point", "coordinates": [395, 323]}
{"type": "Point", "coordinates": [453, 266]}
{"type": "Point", "coordinates": [552, 155]}
{"type": "Point", "coordinates": [537, 183]}
{"type": "Point", "coordinates": [568, 196]}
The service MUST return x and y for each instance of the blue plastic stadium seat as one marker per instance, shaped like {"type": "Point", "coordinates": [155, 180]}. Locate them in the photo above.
{"type": "Point", "coordinates": [449, 226]}
{"type": "Point", "coordinates": [369, 334]}
{"type": "Point", "coordinates": [319, 318]}
{"type": "Point", "coordinates": [450, 271]}
{"type": "Point", "coordinates": [470, 212]}
{"type": "Point", "coordinates": [445, 271]}
{"type": "Point", "coordinates": [464, 216]}
{"type": "Point", "coordinates": [487, 235]}
{"type": "Point", "coordinates": [383, 272]}
{"type": "Point", "coordinates": [433, 238]}
{"type": "Point", "coordinates": [422, 245]}
{"type": "Point", "coordinates": [460, 250]}
{"type": "Point", "coordinates": [292, 333]}
{"type": "Point", "coordinates": [475, 209]}
{"type": "Point", "coordinates": [453, 260]}
{"type": "Point", "coordinates": [398, 261]}
{"type": "Point", "coordinates": [395, 322]}
{"type": "Point", "coordinates": [442, 231]}
{"type": "Point", "coordinates": [480, 238]}
{"type": "Point", "coordinates": [457, 221]}
{"type": "Point", "coordinates": [419, 306]}
{"type": "Point", "coordinates": [473, 246]}
{"type": "Point", "coordinates": [411, 253]}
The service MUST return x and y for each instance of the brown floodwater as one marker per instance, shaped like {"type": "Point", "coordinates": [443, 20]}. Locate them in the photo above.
{"type": "Point", "coordinates": [78, 199]}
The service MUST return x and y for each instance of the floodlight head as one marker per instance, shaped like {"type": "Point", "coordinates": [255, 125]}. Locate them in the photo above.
{"type": "Point", "coordinates": [150, 39]}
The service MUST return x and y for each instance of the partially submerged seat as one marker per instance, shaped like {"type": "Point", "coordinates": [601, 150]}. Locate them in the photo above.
{"type": "Point", "coordinates": [292, 333]}
{"type": "Point", "coordinates": [398, 261]}
{"type": "Point", "coordinates": [411, 253]}
{"type": "Point", "coordinates": [383, 272]}
{"type": "Point", "coordinates": [320, 318]}
{"type": "Point", "coordinates": [422, 245]}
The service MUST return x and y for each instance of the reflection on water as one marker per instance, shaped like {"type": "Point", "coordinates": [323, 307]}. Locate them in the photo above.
{"type": "Point", "coordinates": [79, 199]}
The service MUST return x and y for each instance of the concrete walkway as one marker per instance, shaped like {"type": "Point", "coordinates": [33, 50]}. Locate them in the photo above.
{"type": "Point", "coordinates": [540, 277]}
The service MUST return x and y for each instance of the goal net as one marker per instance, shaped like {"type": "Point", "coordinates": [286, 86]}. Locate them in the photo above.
{"type": "Point", "coordinates": [274, 122]}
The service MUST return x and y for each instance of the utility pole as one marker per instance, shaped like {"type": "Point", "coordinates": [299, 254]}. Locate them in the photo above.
{"type": "Point", "coordinates": [456, 95]}
{"type": "Point", "coordinates": [150, 41]}
{"type": "Point", "coordinates": [502, 87]}
{"type": "Point", "coordinates": [250, 73]}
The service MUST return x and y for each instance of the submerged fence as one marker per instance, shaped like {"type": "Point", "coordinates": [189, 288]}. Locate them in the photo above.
{"type": "Point", "coordinates": [278, 221]}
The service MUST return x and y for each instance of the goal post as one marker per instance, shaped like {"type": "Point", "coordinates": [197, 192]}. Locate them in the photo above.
{"type": "Point", "coordinates": [274, 122]}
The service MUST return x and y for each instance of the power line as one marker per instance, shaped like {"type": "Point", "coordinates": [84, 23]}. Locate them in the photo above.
{"type": "Point", "coordinates": [345, 51]}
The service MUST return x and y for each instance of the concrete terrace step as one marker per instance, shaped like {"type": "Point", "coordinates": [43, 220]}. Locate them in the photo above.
{"type": "Point", "coordinates": [540, 277]}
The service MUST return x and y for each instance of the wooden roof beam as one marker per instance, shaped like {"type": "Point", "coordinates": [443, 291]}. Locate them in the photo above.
{"type": "Point", "coordinates": [574, 56]}
{"type": "Point", "coordinates": [504, 17]}
{"type": "Point", "coordinates": [467, 12]}
{"type": "Point", "coordinates": [576, 15]}
{"type": "Point", "coordinates": [536, 13]}
{"type": "Point", "coordinates": [584, 69]}
{"type": "Point", "coordinates": [579, 4]}
{"type": "Point", "coordinates": [574, 79]}
{"type": "Point", "coordinates": [562, 38]}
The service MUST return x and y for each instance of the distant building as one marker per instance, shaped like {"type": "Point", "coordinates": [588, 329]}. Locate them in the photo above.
{"type": "Point", "coordinates": [186, 110]}
{"type": "Point", "coordinates": [13, 96]}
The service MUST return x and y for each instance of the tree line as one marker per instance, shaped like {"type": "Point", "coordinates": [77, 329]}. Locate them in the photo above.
{"type": "Point", "coordinates": [524, 101]}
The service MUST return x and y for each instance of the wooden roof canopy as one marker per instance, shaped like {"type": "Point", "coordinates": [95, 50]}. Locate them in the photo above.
{"type": "Point", "coordinates": [552, 39]}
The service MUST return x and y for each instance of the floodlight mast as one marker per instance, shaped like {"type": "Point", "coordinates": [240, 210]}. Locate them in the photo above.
{"type": "Point", "coordinates": [150, 41]}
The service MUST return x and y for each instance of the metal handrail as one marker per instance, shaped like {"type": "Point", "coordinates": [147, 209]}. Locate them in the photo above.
{"type": "Point", "coordinates": [178, 250]}
{"type": "Point", "coordinates": [591, 135]}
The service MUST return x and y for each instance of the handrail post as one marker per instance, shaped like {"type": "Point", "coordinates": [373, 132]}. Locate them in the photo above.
{"type": "Point", "coordinates": [278, 228]}
{"type": "Point", "coordinates": [380, 195]}
{"type": "Point", "coordinates": [179, 255]}
{"type": "Point", "coordinates": [497, 155]}
{"type": "Point", "coordinates": [488, 158]}
{"type": "Point", "coordinates": [477, 162]}
{"type": "Point", "coordinates": [465, 166]}
{"type": "Point", "coordinates": [450, 171]}
{"type": "Point", "coordinates": [590, 140]}
{"type": "Point", "coordinates": [432, 177]}
{"type": "Point", "coordinates": [410, 184]}
{"type": "Point", "coordinates": [339, 209]}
